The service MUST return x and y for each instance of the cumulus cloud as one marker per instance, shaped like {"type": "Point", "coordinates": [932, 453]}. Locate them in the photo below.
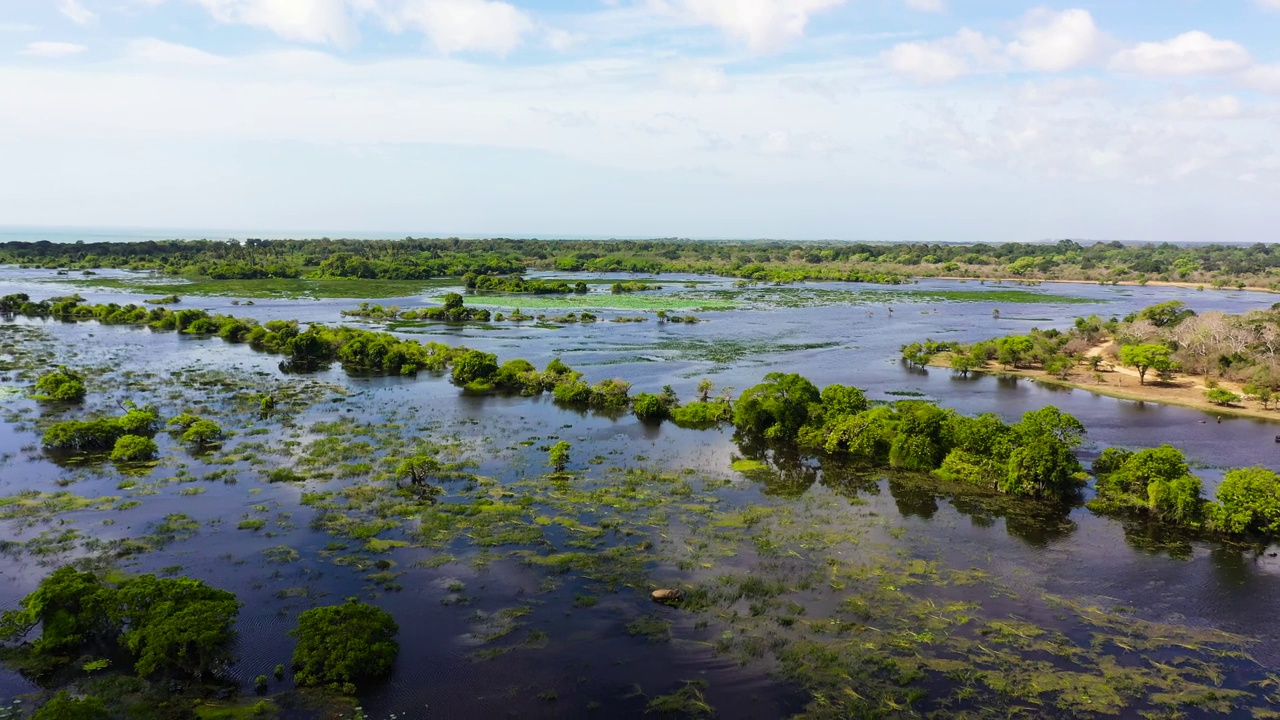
{"type": "Point", "coordinates": [764, 25]}
{"type": "Point", "coordinates": [1195, 107]}
{"type": "Point", "coordinates": [167, 53]}
{"type": "Point", "coordinates": [76, 13]}
{"type": "Point", "coordinates": [462, 25]}
{"type": "Point", "coordinates": [1056, 41]}
{"type": "Point", "coordinates": [314, 21]}
{"type": "Point", "coordinates": [943, 60]}
{"type": "Point", "coordinates": [1191, 53]}
{"type": "Point", "coordinates": [695, 78]}
{"type": "Point", "coordinates": [1263, 77]}
{"type": "Point", "coordinates": [50, 49]}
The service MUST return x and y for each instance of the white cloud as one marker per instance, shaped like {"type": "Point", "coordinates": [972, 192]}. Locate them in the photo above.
{"type": "Point", "coordinates": [1056, 41]}
{"type": "Point", "coordinates": [167, 53]}
{"type": "Point", "coordinates": [927, 5]}
{"type": "Point", "coordinates": [463, 25]}
{"type": "Point", "coordinates": [50, 49]}
{"type": "Point", "coordinates": [943, 60]}
{"type": "Point", "coordinates": [314, 21]}
{"type": "Point", "coordinates": [696, 79]}
{"type": "Point", "coordinates": [1194, 107]}
{"type": "Point", "coordinates": [1263, 77]}
{"type": "Point", "coordinates": [764, 25]}
{"type": "Point", "coordinates": [76, 13]}
{"type": "Point", "coordinates": [1191, 53]}
{"type": "Point", "coordinates": [16, 27]}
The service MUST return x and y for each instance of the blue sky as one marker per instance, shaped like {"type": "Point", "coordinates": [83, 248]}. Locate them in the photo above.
{"type": "Point", "coordinates": [929, 120]}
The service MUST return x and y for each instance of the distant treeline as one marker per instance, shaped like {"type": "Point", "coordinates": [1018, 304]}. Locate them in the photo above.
{"type": "Point", "coordinates": [772, 261]}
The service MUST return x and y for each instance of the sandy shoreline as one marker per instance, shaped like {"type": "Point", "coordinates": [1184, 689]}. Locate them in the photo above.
{"type": "Point", "coordinates": [1122, 383]}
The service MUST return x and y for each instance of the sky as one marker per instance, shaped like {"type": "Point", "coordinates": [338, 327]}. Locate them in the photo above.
{"type": "Point", "coordinates": [890, 120]}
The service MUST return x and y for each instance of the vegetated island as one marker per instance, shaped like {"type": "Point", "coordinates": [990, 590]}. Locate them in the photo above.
{"type": "Point", "coordinates": [1166, 353]}
{"type": "Point", "coordinates": [1255, 267]}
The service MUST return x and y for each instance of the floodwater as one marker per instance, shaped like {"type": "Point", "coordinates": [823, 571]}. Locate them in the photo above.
{"type": "Point", "coordinates": [583, 658]}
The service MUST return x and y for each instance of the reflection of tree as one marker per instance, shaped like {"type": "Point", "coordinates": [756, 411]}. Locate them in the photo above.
{"type": "Point", "coordinates": [913, 499]}
{"type": "Point", "coordinates": [848, 479]}
{"type": "Point", "coordinates": [1037, 523]}
{"type": "Point", "coordinates": [1156, 537]}
{"type": "Point", "coordinates": [787, 473]}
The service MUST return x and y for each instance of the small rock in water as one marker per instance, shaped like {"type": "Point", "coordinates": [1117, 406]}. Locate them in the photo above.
{"type": "Point", "coordinates": [666, 595]}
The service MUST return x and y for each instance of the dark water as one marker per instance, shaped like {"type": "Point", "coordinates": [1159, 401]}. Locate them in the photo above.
{"type": "Point", "coordinates": [828, 332]}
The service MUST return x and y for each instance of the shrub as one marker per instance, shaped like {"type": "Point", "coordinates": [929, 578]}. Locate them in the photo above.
{"type": "Point", "coordinates": [62, 385]}
{"type": "Point", "coordinates": [1221, 396]}
{"type": "Point", "coordinates": [203, 432]}
{"type": "Point", "coordinates": [134, 448]}
{"type": "Point", "coordinates": [343, 644]}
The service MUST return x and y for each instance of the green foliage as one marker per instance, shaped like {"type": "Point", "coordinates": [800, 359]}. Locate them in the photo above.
{"type": "Point", "coordinates": [650, 407]}
{"type": "Point", "coordinates": [1155, 480]}
{"type": "Point", "coordinates": [474, 366]}
{"type": "Point", "coordinates": [342, 645]}
{"type": "Point", "coordinates": [965, 363]}
{"type": "Point", "coordinates": [777, 408]}
{"type": "Point", "coordinates": [702, 415]}
{"type": "Point", "coordinates": [176, 625]}
{"type": "Point", "coordinates": [100, 433]}
{"type": "Point", "coordinates": [1013, 351]}
{"type": "Point", "coordinates": [1145, 357]}
{"type": "Point", "coordinates": [1166, 314]}
{"type": "Point", "coordinates": [134, 448]}
{"type": "Point", "coordinates": [918, 443]}
{"type": "Point", "coordinates": [202, 432]}
{"type": "Point", "coordinates": [63, 706]}
{"type": "Point", "coordinates": [1248, 503]}
{"type": "Point", "coordinates": [62, 385]}
{"type": "Point", "coordinates": [1042, 462]}
{"type": "Point", "coordinates": [170, 626]}
{"type": "Point", "coordinates": [558, 456]}
{"type": "Point", "coordinates": [1221, 396]}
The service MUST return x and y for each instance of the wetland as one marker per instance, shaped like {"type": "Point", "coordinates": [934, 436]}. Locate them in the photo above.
{"type": "Point", "coordinates": [515, 538]}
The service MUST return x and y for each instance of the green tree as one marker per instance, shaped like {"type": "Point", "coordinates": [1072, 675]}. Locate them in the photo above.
{"type": "Point", "coordinates": [964, 363]}
{"type": "Point", "coordinates": [1166, 314]}
{"type": "Point", "coordinates": [777, 408]}
{"type": "Point", "coordinates": [1013, 350]}
{"type": "Point", "coordinates": [920, 440]}
{"type": "Point", "coordinates": [558, 456]}
{"type": "Point", "coordinates": [1249, 503]}
{"type": "Point", "coordinates": [62, 385]}
{"type": "Point", "coordinates": [418, 469]}
{"type": "Point", "coordinates": [202, 432]}
{"type": "Point", "coordinates": [474, 366]}
{"type": "Point", "coordinates": [840, 400]}
{"type": "Point", "coordinates": [1145, 357]}
{"type": "Point", "coordinates": [176, 625]}
{"type": "Point", "coordinates": [452, 301]}
{"type": "Point", "coordinates": [650, 407]}
{"type": "Point", "coordinates": [342, 645]}
{"type": "Point", "coordinates": [1043, 462]}
{"type": "Point", "coordinates": [134, 448]}
{"type": "Point", "coordinates": [916, 355]}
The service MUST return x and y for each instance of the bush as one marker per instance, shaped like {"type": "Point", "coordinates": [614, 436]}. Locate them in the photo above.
{"type": "Point", "coordinates": [64, 707]}
{"type": "Point", "coordinates": [202, 432]}
{"type": "Point", "coordinates": [648, 406]}
{"type": "Point", "coordinates": [1221, 396]}
{"type": "Point", "coordinates": [343, 644]}
{"type": "Point", "coordinates": [1248, 503]}
{"type": "Point", "coordinates": [134, 448]}
{"type": "Point", "coordinates": [61, 385]}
